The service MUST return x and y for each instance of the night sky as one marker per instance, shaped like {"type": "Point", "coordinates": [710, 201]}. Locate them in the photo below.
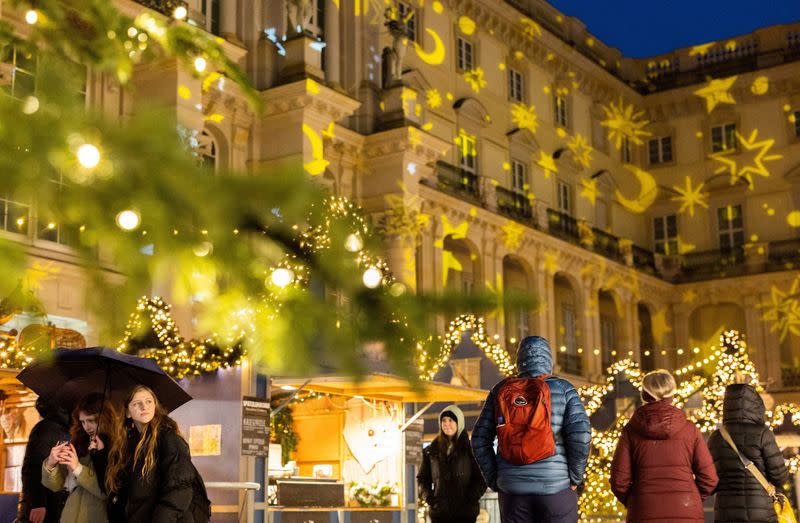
{"type": "Point", "coordinates": [641, 28]}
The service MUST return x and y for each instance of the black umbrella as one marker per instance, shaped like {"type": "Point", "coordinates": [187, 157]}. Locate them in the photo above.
{"type": "Point", "coordinates": [70, 374]}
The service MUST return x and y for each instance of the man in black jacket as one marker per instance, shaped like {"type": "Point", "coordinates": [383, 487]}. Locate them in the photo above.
{"type": "Point", "coordinates": [38, 504]}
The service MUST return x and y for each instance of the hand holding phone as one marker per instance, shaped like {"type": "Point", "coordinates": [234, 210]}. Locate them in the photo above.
{"type": "Point", "coordinates": [55, 454]}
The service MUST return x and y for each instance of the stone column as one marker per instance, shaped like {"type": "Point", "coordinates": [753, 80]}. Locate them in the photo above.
{"type": "Point", "coordinates": [680, 330]}
{"type": "Point", "coordinates": [590, 335]}
{"type": "Point", "coordinates": [333, 51]}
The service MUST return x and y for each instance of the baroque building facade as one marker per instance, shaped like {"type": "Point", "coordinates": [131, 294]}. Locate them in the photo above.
{"type": "Point", "coordinates": [645, 203]}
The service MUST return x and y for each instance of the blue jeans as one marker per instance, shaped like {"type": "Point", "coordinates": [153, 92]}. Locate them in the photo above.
{"type": "Point", "coordinates": [561, 507]}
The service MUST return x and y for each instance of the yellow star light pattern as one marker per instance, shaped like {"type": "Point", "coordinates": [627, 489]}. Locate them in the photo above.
{"type": "Point", "coordinates": [524, 117]}
{"type": "Point", "coordinates": [550, 263]}
{"type": "Point", "coordinates": [512, 233]}
{"type": "Point", "coordinates": [623, 122]}
{"type": "Point", "coordinates": [689, 296]}
{"type": "Point", "coordinates": [717, 92]}
{"type": "Point", "coordinates": [318, 163]}
{"type": "Point", "coordinates": [581, 150]}
{"type": "Point", "coordinates": [475, 79]}
{"type": "Point", "coordinates": [701, 49]}
{"type": "Point", "coordinates": [689, 197]}
{"type": "Point", "coordinates": [750, 161]}
{"type": "Point", "coordinates": [547, 163]}
{"type": "Point", "coordinates": [589, 189]}
{"type": "Point", "coordinates": [660, 326]}
{"type": "Point", "coordinates": [783, 311]}
{"type": "Point", "coordinates": [647, 192]}
{"type": "Point", "coordinates": [435, 57]}
{"type": "Point", "coordinates": [530, 28]}
{"type": "Point", "coordinates": [434, 98]}
{"type": "Point", "coordinates": [404, 217]}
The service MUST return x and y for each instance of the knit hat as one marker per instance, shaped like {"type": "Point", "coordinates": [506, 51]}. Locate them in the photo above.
{"type": "Point", "coordinates": [456, 415]}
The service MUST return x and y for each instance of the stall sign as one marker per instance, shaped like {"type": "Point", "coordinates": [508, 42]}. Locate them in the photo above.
{"type": "Point", "coordinates": [255, 426]}
{"type": "Point", "coordinates": [414, 434]}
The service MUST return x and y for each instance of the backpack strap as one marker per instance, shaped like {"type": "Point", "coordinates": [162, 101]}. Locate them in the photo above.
{"type": "Point", "coordinates": [749, 465]}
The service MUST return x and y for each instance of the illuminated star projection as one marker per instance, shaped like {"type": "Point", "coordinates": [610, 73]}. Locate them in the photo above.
{"type": "Point", "coordinates": [783, 311]}
{"type": "Point", "coordinates": [449, 261]}
{"type": "Point", "coordinates": [318, 163]}
{"type": "Point", "coordinates": [689, 197]}
{"type": "Point", "coordinates": [548, 163]}
{"type": "Point", "coordinates": [581, 150]}
{"type": "Point", "coordinates": [589, 189]}
{"type": "Point", "coordinates": [524, 117]}
{"type": "Point", "coordinates": [434, 57]}
{"type": "Point", "coordinates": [751, 149]}
{"type": "Point", "coordinates": [530, 28]}
{"type": "Point", "coordinates": [433, 98]}
{"type": "Point", "coordinates": [512, 233]}
{"type": "Point", "coordinates": [623, 122]}
{"type": "Point", "coordinates": [474, 78]}
{"type": "Point", "coordinates": [717, 92]}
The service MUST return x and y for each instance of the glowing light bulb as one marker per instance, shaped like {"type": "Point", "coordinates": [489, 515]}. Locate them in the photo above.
{"type": "Point", "coordinates": [353, 243]}
{"type": "Point", "coordinates": [200, 64]}
{"type": "Point", "coordinates": [372, 278]}
{"type": "Point", "coordinates": [180, 12]}
{"type": "Point", "coordinates": [31, 16]}
{"type": "Point", "coordinates": [88, 155]}
{"type": "Point", "coordinates": [282, 277]}
{"type": "Point", "coordinates": [128, 220]}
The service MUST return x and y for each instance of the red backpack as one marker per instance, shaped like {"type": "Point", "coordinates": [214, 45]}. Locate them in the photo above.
{"type": "Point", "coordinates": [524, 434]}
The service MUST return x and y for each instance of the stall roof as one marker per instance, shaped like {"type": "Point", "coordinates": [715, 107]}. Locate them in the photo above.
{"type": "Point", "coordinates": [384, 387]}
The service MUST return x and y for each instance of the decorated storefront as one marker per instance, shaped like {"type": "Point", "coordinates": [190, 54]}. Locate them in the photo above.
{"type": "Point", "coordinates": [356, 445]}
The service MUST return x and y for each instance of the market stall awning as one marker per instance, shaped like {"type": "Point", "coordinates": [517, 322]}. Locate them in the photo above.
{"type": "Point", "coordinates": [383, 387]}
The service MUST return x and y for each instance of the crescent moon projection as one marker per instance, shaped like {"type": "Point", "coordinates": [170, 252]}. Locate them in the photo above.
{"type": "Point", "coordinates": [436, 56]}
{"type": "Point", "coordinates": [318, 162]}
{"type": "Point", "coordinates": [647, 193]}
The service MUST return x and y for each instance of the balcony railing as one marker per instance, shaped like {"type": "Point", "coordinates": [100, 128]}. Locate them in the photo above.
{"type": "Point", "coordinates": [708, 264]}
{"type": "Point", "coordinates": [165, 7]}
{"type": "Point", "coordinates": [563, 226]}
{"type": "Point", "coordinates": [570, 363]}
{"type": "Point", "coordinates": [606, 244]}
{"type": "Point", "coordinates": [644, 260]}
{"type": "Point", "coordinates": [784, 253]}
{"type": "Point", "coordinates": [514, 205]}
{"type": "Point", "coordinates": [457, 181]}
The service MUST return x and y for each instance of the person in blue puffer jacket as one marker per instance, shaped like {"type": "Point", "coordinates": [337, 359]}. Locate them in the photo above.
{"type": "Point", "coordinates": [547, 489]}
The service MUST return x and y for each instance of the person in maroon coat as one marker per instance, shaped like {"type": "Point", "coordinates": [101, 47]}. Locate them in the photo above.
{"type": "Point", "coordinates": [662, 469]}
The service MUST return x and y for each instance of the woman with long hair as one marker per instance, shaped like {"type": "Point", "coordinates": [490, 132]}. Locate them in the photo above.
{"type": "Point", "coordinates": [662, 470]}
{"type": "Point", "coordinates": [150, 475]}
{"type": "Point", "coordinates": [449, 479]}
{"type": "Point", "coordinates": [79, 464]}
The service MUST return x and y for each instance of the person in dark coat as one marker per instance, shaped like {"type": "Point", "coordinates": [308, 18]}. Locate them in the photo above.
{"type": "Point", "coordinates": [740, 497]}
{"type": "Point", "coordinates": [662, 470]}
{"type": "Point", "coordinates": [38, 504]}
{"type": "Point", "coordinates": [150, 477]}
{"type": "Point", "coordinates": [544, 490]}
{"type": "Point", "coordinates": [449, 479]}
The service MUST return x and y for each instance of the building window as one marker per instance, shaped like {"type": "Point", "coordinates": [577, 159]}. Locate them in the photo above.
{"type": "Point", "coordinates": [22, 80]}
{"type": "Point", "coordinates": [519, 177]}
{"type": "Point", "coordinates": [407, 17]}
{"type": "Point", "coordinates": [560, 105]}
{"type": "Point", "coordinates": [564, 198]}
{"type": "Point", "coordinates": [660, 150]}
{"type": "Point", "coordinates": [468, 152]}
{"type": "Point", "coordinates": [15, 216]}
{"type": "Point", "coordinates": [665, 235]}
{"type": "Point", "coordinates": [568, 321]}
{"type": "Point", "coordinates": [48, 228]}
{"type": "Point", "coordinates": [516, 86]}
{"type": "Point", "coordinates": [607, 339]}
{"type": "Point", "coordinates": [466, 372]}
{"type": "Point", "coordinates": [731, 227]}
{"type": "Point", "coordinates": [465, 56]}
{"type": "Point", "coordinates": [625, 150]}
{"type": "Point", "coordinates": [723, 137]}
{"type": "Point", "coordinates": [797, 124]}
{"type": "Point", "coordinates": [210, 10]}
{"type": "Point", "coordinates": [522, 323]}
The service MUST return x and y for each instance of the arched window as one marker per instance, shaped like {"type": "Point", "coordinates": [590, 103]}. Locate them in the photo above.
{"type": "Point", "coordinates": [207, 150]}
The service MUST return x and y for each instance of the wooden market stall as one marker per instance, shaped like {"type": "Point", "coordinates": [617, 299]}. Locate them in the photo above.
{"type": "Point", "coordinates": [358, 441]}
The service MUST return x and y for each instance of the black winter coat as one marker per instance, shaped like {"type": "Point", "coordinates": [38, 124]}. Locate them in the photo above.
{"type": "Point", "coordinates": [43, 437]}
{"type": "Point", "coordinates": [451, 484]}
{"type": "Point", "coordinates": [173, 492]}
{"type": "Point", "coordinates": [740, 497]}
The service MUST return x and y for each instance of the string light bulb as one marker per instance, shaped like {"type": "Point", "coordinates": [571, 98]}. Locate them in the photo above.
{"type": "Point", "coordinates": [128, 220]}
{"type": "Point", "coordinates": [31, 16]}
{"type": "Point", "coordinates": [353, 243]}
{"type": "Point", "coordinates": [88, 155]}
{"type": "Point", "coordinates": [282, 277]}
{"type": "Point", "coordinates": [180, 12]}
{"type": "Point", "coordinates": [372, 278]}
{"type": "Point", "coordinates": [200, 64]}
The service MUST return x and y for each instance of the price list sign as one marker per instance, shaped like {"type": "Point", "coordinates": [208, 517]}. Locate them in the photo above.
{"type": "Point", "coordinates": [255, 426]}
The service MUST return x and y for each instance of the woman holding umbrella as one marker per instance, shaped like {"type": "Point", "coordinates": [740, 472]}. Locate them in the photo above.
{"type": "Point", "coordinates": [150, 475]}
{"type": "Point", "coordinates": [79, 464]}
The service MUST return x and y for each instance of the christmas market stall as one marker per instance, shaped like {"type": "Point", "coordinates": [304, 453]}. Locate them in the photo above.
{"type": "Point", "coordinates": [346, 449]}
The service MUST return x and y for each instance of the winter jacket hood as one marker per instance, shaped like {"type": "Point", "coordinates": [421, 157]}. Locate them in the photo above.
{"type": "Point", "coordinates": [534, 357]}
{"type": "Point", "coordinates": [657, 420]}
{"type": "Point", "coordinates": [742, 404]}
{"type": "Point", "coordinates": [459, 418]}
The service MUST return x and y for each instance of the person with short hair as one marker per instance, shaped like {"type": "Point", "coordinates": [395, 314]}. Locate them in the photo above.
{"type": "Point", "coordinates": [662, 469]}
